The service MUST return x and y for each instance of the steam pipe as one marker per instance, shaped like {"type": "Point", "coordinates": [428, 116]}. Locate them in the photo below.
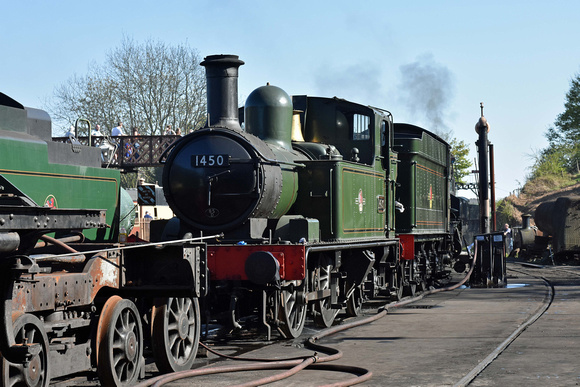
{"type": "Point", "coordinates": [482, 128]}
{"type": "Point", "coordinates": [492, 187]}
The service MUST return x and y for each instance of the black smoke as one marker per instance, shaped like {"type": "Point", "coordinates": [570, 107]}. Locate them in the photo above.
{"type": "Point", "coordinates": [426, 90]}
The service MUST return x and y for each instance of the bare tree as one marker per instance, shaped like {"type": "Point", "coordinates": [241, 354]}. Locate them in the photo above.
{"type": "Point", "coordinates": [147, 86]}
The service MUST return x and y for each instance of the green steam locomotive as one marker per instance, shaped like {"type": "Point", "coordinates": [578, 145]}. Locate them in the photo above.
{"type": "Point", "coordinates": [323, 203]}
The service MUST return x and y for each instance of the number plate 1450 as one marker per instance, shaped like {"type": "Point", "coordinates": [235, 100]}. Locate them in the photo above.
{"type": "Point", "coordinates": [210, 161]}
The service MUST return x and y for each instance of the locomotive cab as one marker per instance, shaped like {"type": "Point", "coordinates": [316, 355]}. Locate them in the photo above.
{"type": "Point", "coordinates": [347, 126]}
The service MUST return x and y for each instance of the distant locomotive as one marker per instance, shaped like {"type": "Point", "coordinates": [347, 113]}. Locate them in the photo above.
{"type": "Point", "coordinates": [305, 194]}
{"type": "Point", "coordinates": [68, 306]}
{"type": "Point", "coordinates": [560, 219]}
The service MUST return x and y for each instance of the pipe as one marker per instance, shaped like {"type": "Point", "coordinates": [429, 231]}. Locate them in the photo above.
{"type": "Point", "coordinates": [492, 187]}
{"type": "Point", "coordinates": [9, 242]}
{"type": "Point", "coordinates": [526, 221]}
{"type": "Point", "coordinates": [283, 375]}
{"type": "Point", "coordinates": [70, 239]}
{"type": "Point", "coordinates": [482, 128]}
{"type": "Point", "coordinates": [300, 363]}
{"type": "Point", "coordinates": [57, 242]}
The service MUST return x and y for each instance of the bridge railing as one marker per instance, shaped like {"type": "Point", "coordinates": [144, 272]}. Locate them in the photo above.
{"type": "Point", "coordinates": [126, 152]}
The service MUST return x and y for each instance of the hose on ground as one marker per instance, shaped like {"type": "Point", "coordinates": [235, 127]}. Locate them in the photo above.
{"type": "Point", "coordinates": [294, 365]}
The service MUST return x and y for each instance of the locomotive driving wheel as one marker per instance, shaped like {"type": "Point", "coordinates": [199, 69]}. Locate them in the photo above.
{"type": "Point", "coordinates": [355, 301]}
{"type": "Point", "coordinates": [119, 343]}
{"type": "Point", "coordinates": [28, 329]}
{"type": "Point", "coordinates": [293, 309]}
{"type": "Point", "coordinates": [423, 270]}
{"type": "Point", "coordinates": [324, 314]}
{"type": "Point", "coordinates": [410, 288]}
{"type": "Point", "coordinates": [175, 330]}
{"type": "Point", "coordinates": [397, 287]}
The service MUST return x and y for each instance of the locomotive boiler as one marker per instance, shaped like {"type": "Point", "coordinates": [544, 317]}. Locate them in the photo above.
{"type": "Point", "coordinates": [303, 189]}
{"type": "Point", "coordinates": [221, 177]}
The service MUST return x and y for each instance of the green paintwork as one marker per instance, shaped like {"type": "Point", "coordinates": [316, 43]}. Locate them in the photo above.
{"type": "Point", "coordinates": [268, 115]}
{"type": "Point", "coordinates": [423, 179]}
{"type": "Point", "coordinates": [352, 199]}
{"type": "Point", "coordinates": [289, 183]}
{"type": "Point", "coordinates": [344, 197]}
{"type": "Point", "coordinates": [25, 164]}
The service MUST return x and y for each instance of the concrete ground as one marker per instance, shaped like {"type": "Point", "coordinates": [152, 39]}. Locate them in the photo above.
{"type": "Point", "coordinates": [443, 337]}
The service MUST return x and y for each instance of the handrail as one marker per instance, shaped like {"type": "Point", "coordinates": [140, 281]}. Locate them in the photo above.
{"type": "Point", "coordinates": [128, 152]}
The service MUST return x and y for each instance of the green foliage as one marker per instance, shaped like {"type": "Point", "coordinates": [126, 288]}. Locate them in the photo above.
{"type": "Point", "coordinates": [562, 156]}
{"type": "Point", "coordinates": [149, 174]}
{"type": "Point", "coordinates": [506, 213]}
{"type": "Point", "coordinates": [462, 164]}
{"type": "Point", "coordinates": [567, 125]}
{"type": "Point", "coordinates": [550, 161]}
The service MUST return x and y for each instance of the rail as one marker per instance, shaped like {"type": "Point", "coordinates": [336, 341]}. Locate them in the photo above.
{"type": "Point", "coordinates": [295, 364]}
{"type": "Point", "coordinates": [126, 152]}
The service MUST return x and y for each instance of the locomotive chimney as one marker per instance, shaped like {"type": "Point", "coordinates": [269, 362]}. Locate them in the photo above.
{"type": "Point", "coordinates": [526, 221]}
{"type": "Point", "coordinates": [222, 90]}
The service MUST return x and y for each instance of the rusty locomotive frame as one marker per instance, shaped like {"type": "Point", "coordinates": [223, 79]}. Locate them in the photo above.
{"type": "Point", "coordinates": [73, 299]}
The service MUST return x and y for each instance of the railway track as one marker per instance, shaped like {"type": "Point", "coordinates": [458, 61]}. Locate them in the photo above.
{"type": "Point", "coordinates": [561, 282]}
{"type": "Point", "coordinates": [557, 282]}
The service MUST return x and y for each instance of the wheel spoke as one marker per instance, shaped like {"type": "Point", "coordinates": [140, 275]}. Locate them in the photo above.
{"type": "Point", "coordinates": [122, 344]}
{"type": "Point", "coordinates": [30, 330]}
{"type": "Point", "coordinates": [16, 379]}
{"type": "Point", "coordinates": [186, 305]}
{"type": "Point", "coordinates": [292, 313]}
{"type": "Point", "coordinates": [324, 315]}
{"type": "Point", "coordinates": [175, 334]}
{"type": "Point", "coordinates": [173, 315]}
{"type": "Point", "coordinates": [175, 348]}
{"type": "Point", "coordinates": [172, 340]}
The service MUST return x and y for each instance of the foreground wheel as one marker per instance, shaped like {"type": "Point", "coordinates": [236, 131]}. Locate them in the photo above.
{"type": "Point", "coordinates": [410, 290]}
{"type": "Point", "coordinates": [323, 313]}
{"type": "Point", "coordinates": [422, 286]}
{"type": "Point", "coordinates": [397, 292]}
{"type": "Point", "coordinates": [119, 343]}
{"type": "Point", "coordinates": [35, 372]}
{"type": "Point", "coordinates": [410, 269]}
{"type": "Point", "coordinates": [175, 330]}
{"type": "Point", "coordinates": [292, 312]}
{"type": "Point", "coordinates": [355, 301]}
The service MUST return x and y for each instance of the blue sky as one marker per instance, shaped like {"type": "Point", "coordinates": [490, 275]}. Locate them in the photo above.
{"type": "Point", "coordinates": [517, 57]}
